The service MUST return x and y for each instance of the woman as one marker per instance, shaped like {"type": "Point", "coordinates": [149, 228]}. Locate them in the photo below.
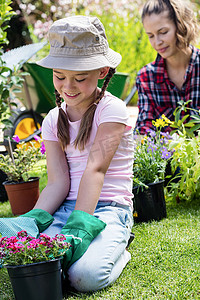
{"type": "Point", "coordinates": [174, 75]}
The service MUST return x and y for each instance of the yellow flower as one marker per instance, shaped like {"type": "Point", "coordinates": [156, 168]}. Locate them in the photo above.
{"type": "Point", "coordinates": [158, 123]}
{"type": "Point", "coordinates": [166, 119]}
{"type": "Point", "coordinates": [143, 140]}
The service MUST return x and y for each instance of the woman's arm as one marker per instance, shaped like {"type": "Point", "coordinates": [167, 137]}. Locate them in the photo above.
{"type": "Point", "coordinates": [102, 151]}
{"type": "Point", "coordinates": [58, 178]}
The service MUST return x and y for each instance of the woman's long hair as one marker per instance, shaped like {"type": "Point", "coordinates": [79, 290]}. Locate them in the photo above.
{"type": "Point", "coordinates": [181, 13]}
{"type": "Point", "coordinates": [86, 121]}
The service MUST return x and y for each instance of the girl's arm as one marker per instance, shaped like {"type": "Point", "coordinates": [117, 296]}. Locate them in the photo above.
{"type": "Point", "coordinates": [58, 178]}
{"type": "Point", "coordinates": [102, 151]}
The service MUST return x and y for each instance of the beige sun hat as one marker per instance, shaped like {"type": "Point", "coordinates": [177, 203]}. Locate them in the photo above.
{"type": "Point", "coordinates": [79, 43]}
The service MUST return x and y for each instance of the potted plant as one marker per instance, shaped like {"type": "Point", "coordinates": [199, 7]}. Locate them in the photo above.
{"type": "Point", "coordinates": [33, 265]}
{"type": "Point", "coordinates": [150, 160]}
{"type": "Point", "coordinates": [186, 157]}
{"type": "Point", "coordinates": [22, 190]}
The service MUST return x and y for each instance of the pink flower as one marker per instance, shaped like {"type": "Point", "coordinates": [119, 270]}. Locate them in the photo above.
{"type": "Point", "coordinates": [42, 149]}
{"type": "Point", "coordinates": [37, 138]}
{"type": "Point", "coordinates": [16, 138]}
{"type": "Point", "coordinates": [25, 249]}
{"type": "Point", "coordinates": [22, 233]}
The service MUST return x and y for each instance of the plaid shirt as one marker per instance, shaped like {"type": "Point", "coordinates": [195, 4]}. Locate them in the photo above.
{"type": "Point", "coordinates": [158, 94]}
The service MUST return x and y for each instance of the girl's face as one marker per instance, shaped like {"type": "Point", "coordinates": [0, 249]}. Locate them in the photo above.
{"type": "Point", "coordinates": [162, 34]}
{"type": "Point", "coordinates": [78, 88]}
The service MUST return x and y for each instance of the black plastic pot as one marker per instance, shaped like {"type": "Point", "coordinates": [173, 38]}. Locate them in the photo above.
{"type": "Point", "coordinates": [3, 194]}
{"type": "Point", "coordinates": [38, 281]}
{"type": "Point", "coordinates": [149, 204]}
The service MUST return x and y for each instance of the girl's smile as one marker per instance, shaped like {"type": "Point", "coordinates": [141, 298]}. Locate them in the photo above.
{"type": "Point", "coordinates": [72, 95]}
{"type": "Point", "coordinates": [77, 88]}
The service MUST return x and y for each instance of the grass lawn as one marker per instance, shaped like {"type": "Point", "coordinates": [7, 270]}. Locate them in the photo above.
{"type": "Point", "coordinates": [165, 260]}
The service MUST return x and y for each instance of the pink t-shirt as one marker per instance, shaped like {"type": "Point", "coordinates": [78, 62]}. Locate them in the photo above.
{"type": "Point", "coordinates": [118, 178]}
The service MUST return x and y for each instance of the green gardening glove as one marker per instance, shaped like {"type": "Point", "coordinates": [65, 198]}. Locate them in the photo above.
{"type": "Point", "coordinates": [81, 228]}
{"type": "Point", "coordinates": [42, 218]}
{"type": "Point", "coordinates": [34, 222]}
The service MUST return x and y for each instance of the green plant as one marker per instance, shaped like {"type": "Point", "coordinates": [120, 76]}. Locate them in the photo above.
{"type": "Point", "coordinates": [6, 14]}
{"type": "Point", "coordinates": [186, 159]}
{"type": "Point", "coordinates": [126, 35]}
{"type": "Point", "coordinates": [11, 82]}
{"type": "Point", "coordinates": [151, 154]}
{"type": "Point", "coordinates": [22, 160]}
{"type": "Point", "coordinates": [186, 125]}
{"type": "Point", "coordinates": [185, 162]}
{"type": "Point", "coordinates": [11, 79]}
{"type": "Point", "coordinates": [24, 249]}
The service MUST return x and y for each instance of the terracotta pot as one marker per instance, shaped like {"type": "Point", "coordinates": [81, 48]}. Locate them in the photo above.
{"type": "Point", "coordinates": [22, 196]}
{"type": "Point", "coordinates": [149, 204]}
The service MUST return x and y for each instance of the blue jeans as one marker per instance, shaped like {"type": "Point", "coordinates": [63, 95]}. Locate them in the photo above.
{"type": "Point", "coordinates": [106, 256]}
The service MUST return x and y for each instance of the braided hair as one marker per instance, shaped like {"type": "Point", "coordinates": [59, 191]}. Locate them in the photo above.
{"type": "Point", "coordinates": [86, 121]}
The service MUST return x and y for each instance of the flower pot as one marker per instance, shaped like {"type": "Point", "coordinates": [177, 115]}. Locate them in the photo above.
{"type": "Point", "coordinates": [149, 204]}
{"type": "Point", "coordinates": [38, 281]}
{"type": "Point", "coordinates": [22, 196]}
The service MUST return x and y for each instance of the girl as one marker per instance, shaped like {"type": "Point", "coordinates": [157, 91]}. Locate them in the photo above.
{"type": "Point", "coordinates": [89, 148]}
{"type": "Point", "coordinates": [174, 75]}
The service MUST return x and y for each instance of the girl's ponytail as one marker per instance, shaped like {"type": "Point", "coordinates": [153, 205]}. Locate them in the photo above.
{"type": "Point", "coordinates": [86, 121]}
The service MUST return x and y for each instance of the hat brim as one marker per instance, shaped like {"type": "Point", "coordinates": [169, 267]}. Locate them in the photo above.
{"type": "Point", "coordinates": [82, 63]}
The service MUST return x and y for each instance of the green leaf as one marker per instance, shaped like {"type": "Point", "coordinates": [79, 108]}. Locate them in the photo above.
{"type": "Point", "coordinates": [5, 94]}
{"type": "Point", "coordinates": [6, 122]}
{"type": "Point", "coordinates": [184, 118]}
{"type": "Point", "coordinates": [191, 124]}
{"type": "Point", "coordinates": [13, 104]}
{"type": "Point", "coordinates": [196, 117]}
{"type": "Point", "coordinates": [177, 116]}
{"type": "Point", "coordinates": [194, 128]}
